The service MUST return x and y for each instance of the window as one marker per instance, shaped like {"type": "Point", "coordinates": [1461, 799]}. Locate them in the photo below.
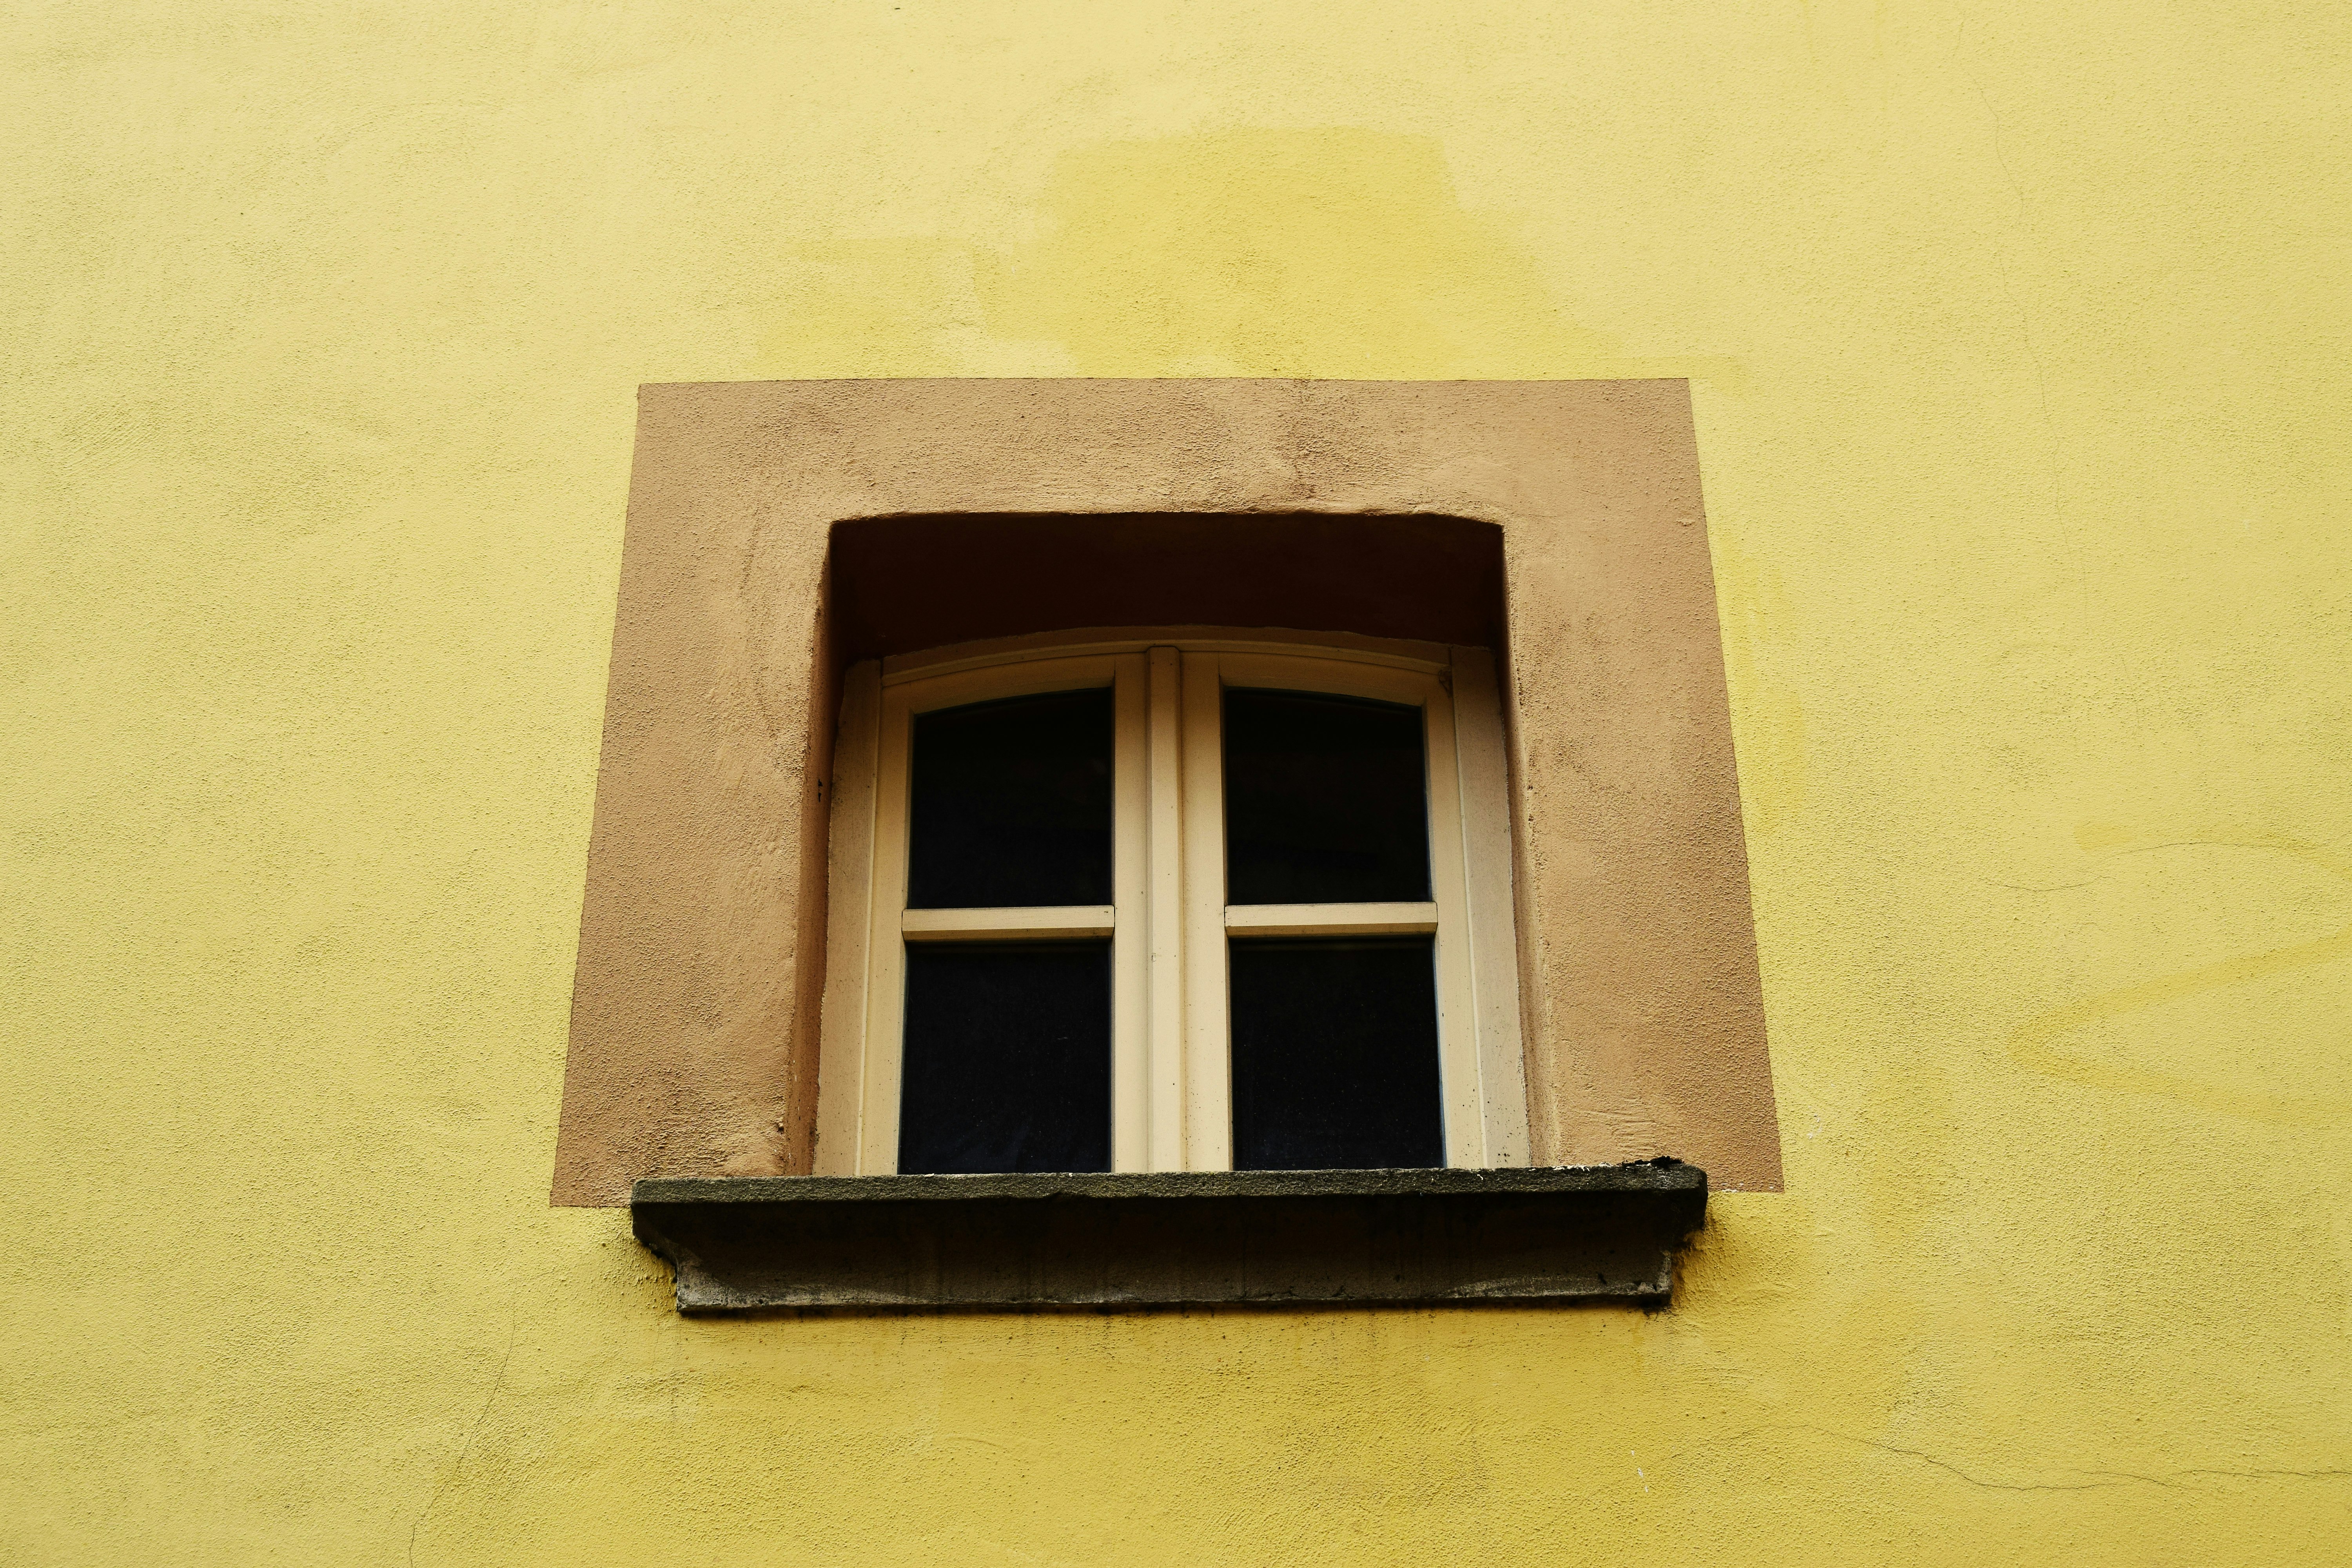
{"type": "Point", "coordinates": [781, 534]}
{"type": "Point", "coordinates": [1159, 902]}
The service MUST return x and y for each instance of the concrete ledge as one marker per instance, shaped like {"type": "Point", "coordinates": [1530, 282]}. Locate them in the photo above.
{"type": "Point", "coordinates": [1589, 1233]}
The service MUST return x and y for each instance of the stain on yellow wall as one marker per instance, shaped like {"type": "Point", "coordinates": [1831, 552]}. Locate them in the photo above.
{"type": "Point", "coordinates": [2014, 339]}
{"type": "Point", "coordinates": [1278, 252]}
{"type": "Point", "coordinates": [1330, 251]}
{"type": "Point", "coordinates": [2159, 1034]}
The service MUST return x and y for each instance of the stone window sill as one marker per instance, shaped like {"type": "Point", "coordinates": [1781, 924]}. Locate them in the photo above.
{"type": "Point", "coordinates": [1586, 1232]}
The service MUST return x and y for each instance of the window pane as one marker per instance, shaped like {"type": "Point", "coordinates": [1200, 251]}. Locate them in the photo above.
{"type": "Point", "coordinates": [1335, 1054]}
{"type": "Point", "coordinates": [1011, 804]}
{"type": "Point", "coordinates": [1325, 800]}
{"type": "Point", "coordinates": [1007, 1061]}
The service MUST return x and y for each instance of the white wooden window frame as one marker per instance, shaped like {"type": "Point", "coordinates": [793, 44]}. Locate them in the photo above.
{"type": "Point", "coordinates": [1168, 922]}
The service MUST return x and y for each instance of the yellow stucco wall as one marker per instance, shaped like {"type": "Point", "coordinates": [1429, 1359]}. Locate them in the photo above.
{"type": "Point", "coordinates": [2018, 339]}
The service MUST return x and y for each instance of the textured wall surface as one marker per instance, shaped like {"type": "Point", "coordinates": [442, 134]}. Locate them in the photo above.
{"type": "Point", "coordinates": [2017, 335]}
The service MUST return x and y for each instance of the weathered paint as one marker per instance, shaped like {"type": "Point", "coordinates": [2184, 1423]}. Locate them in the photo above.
{"type": "Point", "coordinates": [2015, 340]}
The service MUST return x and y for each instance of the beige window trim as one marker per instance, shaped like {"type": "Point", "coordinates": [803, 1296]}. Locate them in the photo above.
{"type": "Point", "coordinates": [768, 523]}
{"type": "Point", "coordinates": [1170, 923]}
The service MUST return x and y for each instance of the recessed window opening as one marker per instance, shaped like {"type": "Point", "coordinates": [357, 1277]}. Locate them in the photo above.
{"type": "Point", "coordinates": [1184, 895]}
{"type": "Point", "coordinates": [783, 533]}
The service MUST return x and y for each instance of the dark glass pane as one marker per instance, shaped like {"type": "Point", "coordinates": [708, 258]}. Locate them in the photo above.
{"type": "Point", "coordinates": [1007, 1059]}
{"type": "Point", "coordinates": [1011, 804]}
{"type": "Point", "coordinates": [1335, 1054]}
{"type": "Point", "coordinates": [1325, 800]}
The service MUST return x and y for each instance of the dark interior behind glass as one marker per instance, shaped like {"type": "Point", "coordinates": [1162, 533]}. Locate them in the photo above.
{"type": "Point", "coordinates": [1007, 1059]}
{"type": "Point", "coordinates": [1335, 1054]}
{"type": "Point", "coordinates": [1325, 800]}
{"type": "Point", "coordinates": [1011, 804]}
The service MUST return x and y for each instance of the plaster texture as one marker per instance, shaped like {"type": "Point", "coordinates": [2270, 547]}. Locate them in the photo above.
{"type": "Point", "coordinates": [2014, 335]}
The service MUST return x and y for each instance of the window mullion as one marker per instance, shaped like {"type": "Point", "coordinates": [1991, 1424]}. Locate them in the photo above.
{"type": "Point", "coordinates": [1132, 865]}
{"type": "Point", "coordinates": [1207, 1047]}
{"type": "Point", "coordinates": [1164, 921]}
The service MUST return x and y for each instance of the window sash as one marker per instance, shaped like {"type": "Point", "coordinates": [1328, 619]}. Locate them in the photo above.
{"type": "Point", "coordinates": [1169, 924]}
